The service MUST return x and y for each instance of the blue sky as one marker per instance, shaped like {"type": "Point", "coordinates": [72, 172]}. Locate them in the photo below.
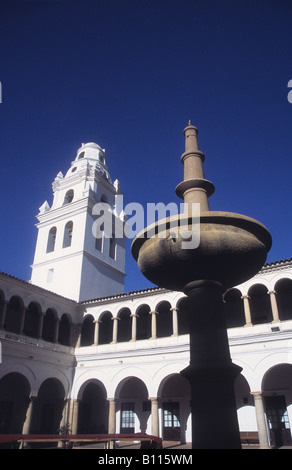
{"type": "Point", "coordinates": [129, 74]}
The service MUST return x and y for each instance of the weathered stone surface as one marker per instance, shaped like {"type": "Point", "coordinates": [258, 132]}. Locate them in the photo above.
{"type": "Point", "coordinates": [232, 248]}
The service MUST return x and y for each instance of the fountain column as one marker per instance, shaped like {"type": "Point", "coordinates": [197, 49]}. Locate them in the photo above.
{"type": "Point", "coordinates": [232, 248]}
{"type": "Point", "coordinates": [211, 373]}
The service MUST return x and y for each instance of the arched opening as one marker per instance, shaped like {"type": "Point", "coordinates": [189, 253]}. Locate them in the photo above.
{"type": "Point", "coordinates": [48, 408]}
{"type": "Point", "coordinates": [134, 406]}
{"type": "Point", "coordinates": [277, 391]}
{"type": "Point", "coordinates": [183, 316]}
{"type": "Point", "coordinates": [260, 305]}
{"type": "Point", "coordinates": [143, 322]}
{"type": "Point", "coordinates": [164, 319]}
{"type": "Point", "coordinates": [68, 231]}
{"type": "Point", "coordinates": [175, 402]}
{"type": "Point", "coordinates": [87, 331]}
{"type": "Point", "coordinates": [51, 240]}
{"type": "Point", "coordinates": [32, 319]}
{"type": "Point", "coordinates": [124, 325]}
{"type": "Point", "coordinates": [64, 336]}
{"type": "Point", "coordinates": [49, 325]}
{"type": "Point", "coordinates": [245, 405]}
{"type": "Point", "coordinates": [234, 309]}
{"type": "Point", "coordinates": [68, 197]}
{"type": "Point", "coordinates": [93, 409]}
{"type": "Point", "coordinates": [284, 298]}
{"type": "Point", "coordinates": [14, 314]}
{"type": "Point", "coordinates": [105, 328]}
{"type": "Point", "coordinates": [14, 400]}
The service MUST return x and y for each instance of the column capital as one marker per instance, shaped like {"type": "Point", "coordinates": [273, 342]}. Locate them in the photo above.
{"type": "Point", "coordinates": [257, 394]}
{"type": "Point", "coordinates": [271, 292]}
{"type": "Point", "coordinates": [154, 312]}
{"type": "Point", "coordinates": [111, 399]}
{"type": "Point", "coordinates": [245, 296]}
{"type": "Point", "coordinates": [153, 399]}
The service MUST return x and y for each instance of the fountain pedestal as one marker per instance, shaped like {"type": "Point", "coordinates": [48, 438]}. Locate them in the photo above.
{"type": "Point", "coordinates": [211, 373]}
{"type": "Point", "coordinates": [232, 248]}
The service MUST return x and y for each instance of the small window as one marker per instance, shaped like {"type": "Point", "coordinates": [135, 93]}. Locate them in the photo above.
{"type": "Point", "coordinates": [51, 240]}
{"type": "Point", "coordinates": [67, 240]}
{"type": "Point", "coordinates": [50, 275]}
{"type": "Point", "coordinates": [81, 155]}
{"type": "Point", "coordinates": [128, 418]}
{"type": "Point", "coordinates": [68, 197]}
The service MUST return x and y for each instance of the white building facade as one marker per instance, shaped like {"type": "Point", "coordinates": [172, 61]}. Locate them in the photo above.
{"type": "Point", "coordinates": [77, 350]}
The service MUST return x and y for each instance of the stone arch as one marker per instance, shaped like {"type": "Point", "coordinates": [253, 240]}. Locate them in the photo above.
{"type": "Point", "coordinates": [48, 407]}
{"type": "Point", "coordinates": [174, 394]}
{"type": "Point", "coordinates": [105, 328]}
{"type": "Point", "coordinates": [64, 336]}
{"type": "Point", "coordinates": [14, 399]}
{"type": "Point", "coordinates": [260, 305]}
{"type": "Point", "coordinates": [14, 314]}
{"type": "Point", "coordinates": [245, 405]}
{"type": "Point", "coordinates": [183, 315]}
{"type": "Point", "coordinates": [233, 308]}
{"type": "Point", "coordinates": [51, 239]}
{"type": "Point", "coordinates": [87, 331]}
{"type": "Point", "coordinates": [68, 232]}
{"type": "Point", "coordinates": [143, 322]}
{"type": "Point", "coordinates": [164, 319]}
{"type": "Point", "coordinates": [277, 392]}
{"type": "Point", "coordinates": [49, 325]}
{"type": "Point", "coordinates": [93, 408]}
{"type": "Point", "coordinates": [133, 405]}
{"type": "Point", "coordinates": [124, 324]}
{"type": "Point", "coordinates": [32, 320]}
{"type": "Point", "coordinates": [283, 287]}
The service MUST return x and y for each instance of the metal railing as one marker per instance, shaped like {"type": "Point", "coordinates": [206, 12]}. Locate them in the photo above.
{"type": "Point", "coordinates": [146, 440]}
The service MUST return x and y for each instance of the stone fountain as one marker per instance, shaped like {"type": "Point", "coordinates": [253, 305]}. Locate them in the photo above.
{"type": "Point", "coordinates": [232, 248]}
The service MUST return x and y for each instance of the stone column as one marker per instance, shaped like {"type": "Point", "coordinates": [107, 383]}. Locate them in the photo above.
{"type": "Point", "coordinates": [40, 325]}
{"type": "Point", "coordinates": [261, 421]}
{"type": "Point", "coordinates": [154, 416]}
{"type": "Point", "coordinates": [246, 310]}
{"type": "Point", "coordinates": [3, 313]}
{"type": "Point", "coordinates": [77, 334]}
{"type": "Point", "coordinates": [274, 306]}
{"type": "Point", "coordinates": [153, 314]}
{"type": "Point", "coordinates": [211, 373]}
{"type": "Point", "coordinates": [111, 420]}
{"type": "Point", "coordinates": [27, 422]}
{"type": "Point", "coordinates": [65, 414]}
{"type": "Point", "coordinates": [56, 332]}
{"type": "Point", "coordinates": [134, 326]}
{"type": "Point", "coordinates": [96, 332]}
{"type": "Point", "coordinates": [174, 321]}
{"type": "Point", "coordinates": [75, 412]}
{"type": "Point", "coordinates": [112, 416]}
{"type": "Point", "coordinates": [22, 320]}
{"type": "Point", "coordinates": [115, 329]}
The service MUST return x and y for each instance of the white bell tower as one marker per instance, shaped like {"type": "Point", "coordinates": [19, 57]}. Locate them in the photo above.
{"type": "Point", "coordinates": [69, 260]}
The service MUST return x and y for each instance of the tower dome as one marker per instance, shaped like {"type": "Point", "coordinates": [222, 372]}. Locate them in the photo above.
{"type": "Point", "coordinates": [91, 156]}
{"type": "Point", "coordinates": [91, 151]}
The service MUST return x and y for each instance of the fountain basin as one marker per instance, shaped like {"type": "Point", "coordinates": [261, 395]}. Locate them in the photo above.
{"type": "Point", "coordinates": [232, 249]}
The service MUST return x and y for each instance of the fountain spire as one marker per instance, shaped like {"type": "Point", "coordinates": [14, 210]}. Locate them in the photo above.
{"type": "Point", "coordinates": [194, 188]}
